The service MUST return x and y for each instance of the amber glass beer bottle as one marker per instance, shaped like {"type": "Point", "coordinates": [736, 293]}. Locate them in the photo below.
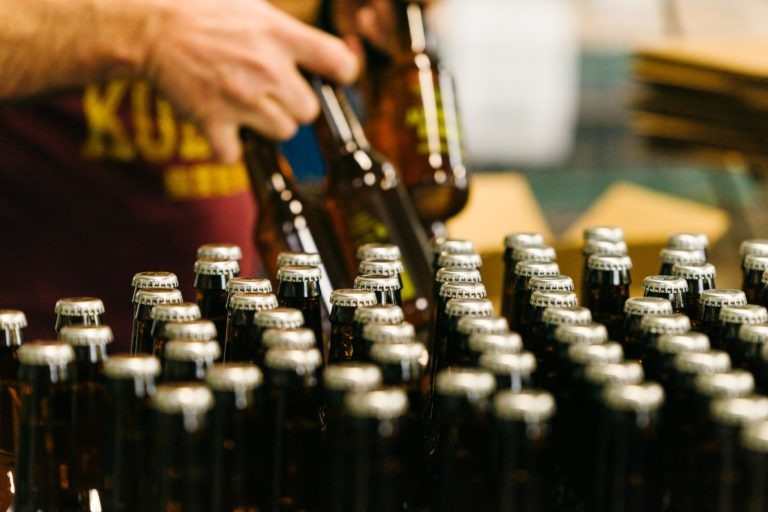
{"type": "Point", "coordinates": [599, 248]}
{"type": "Point", "coordinates": [731, 319]}
{"type": "Point", "coordinates": [188, 360]}
{"type": "Point", "coordinates": [608, 280]}
{"type": "Point", "coordinates": [455, 310]}
{"type": "Point", "coordinates": [653, 326]}
{"type": "Point", "coordinates": [712, 301]}
{"type": "Point", "coordinates": [752, 342]}
{"type": "Point", "coordinates": [230, 252]}
{"type": "Point", "coordinates": [12, 324]}
{"type": "Point", "coordinates": [674, 289]}
{"type": "Point", "coordinates": [241, 329]}
{"type": "Point", "coordinates": [381, 334]}
{"type": "Point", "coordinates": [386, 288]}
{"type": "Point", "coordinates": [752, 281]}
{"type": "Point", "coordinates": [699, 278]}
{"type": "Point", "coordinates": [163, 314]}
{"type": "Point", "coordinates": [211, 278]}
{"type": "Point", "coordinates": [344, 304]}
{"type": "Point", "coordinates": [481, 343]}
{"type": "Point", "coordinates": [278, 318]}
{"type": "Point", "coordinates": [299, 288]}
{"type": "Point", "coordinates": [521, 297]}
{"type": "Point", "coordinates": [146, 300]}
{"type": "Point", "coordinates": [551, 318]}
{"type": "Point", "coordinates": [753, 453]}
{"type": "Point", "coordinates": [635, 309]}
{"type": "Point", "coordinates": [513, 371]}
{"type": "Point", "coordinates": [460, 353]}
{"type": "Point", "coordinates": [658, 362]}
{"type": "Point", "coordinates": [513, 241]}
{"type": "Point", "coordinates": [151, 279]}
{"type": "Point", "coordinates": [671, 257]}
{"type": "Point", "coordinates": [540, 301]}
{"type": "Point", "coordinates": [247, 285]}
{"type": "Point", "coordinates": [79, 311]}
{"type": "Point", "coordinates": [689, 242]}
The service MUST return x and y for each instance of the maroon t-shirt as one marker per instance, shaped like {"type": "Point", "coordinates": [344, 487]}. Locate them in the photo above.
{"type": "Point", "coordinates": [101, 183]}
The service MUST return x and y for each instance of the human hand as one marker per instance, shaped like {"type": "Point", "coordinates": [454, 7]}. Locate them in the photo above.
{"type": "Point", "coordinates": [230, 63]}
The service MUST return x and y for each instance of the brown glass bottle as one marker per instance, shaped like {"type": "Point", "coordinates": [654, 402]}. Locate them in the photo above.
{"type": "Point", "coordinates": [711, 302]}
{"type": "Point", "coordinates": [43, 461]}
{"type": "Point", "coordinates": [312, 259]}
{"type": "Point", "coordinates": [658, 361]}
{"type": "Point", "coordinates": [187, 360]}
{"type": "Point", "coordinates": [753, 340]}
{"type": "Point", "coordinates": [211, 278]}
{"type": "Point", "coordinates": [151, 279]}
{"type": "Point", "coordinates": [378, 314]}
{"type": "Point", "coordinates": [452, 275]}
{"type": "Point", "coordinates": [181, 447]}
{"type": "Point", "coordinates": [79, 311]}
{"type": "Point", "coordinates": [386, 288]}
{"type": "Point", "coordinates": [235, 436]}
{"type": "Point", "coordinates": [635, 309]}
{"type": "Point", "coordinates": [241, 329]}
{"type": "Point", "coordinates": [299, 288]}
{"type": "Point", "coordinates": [752, 280]}
{"type": "Point", "coordinates": [699, 278]}
{"type": "Point", "coordinates": [608, 281]}
{"type": "Point", "coordinates": [449, 246]}
{"type": "Point", "coordinates": [752, 247]}
{"type": "Point", "coordinates": [566, 336]}
{"type": "Point", "coordinates": [551, 318]}
{"type": "Point", "coordinates": [380, 334]}
{"type": "Point", "coordinates": [521, 295]}
{"type": "Point", "coordinates": [296, 338]}
{"type": "Point", "coordinates": [514, 241]}
{"type": "Point", "coordinates": [247, 285]}
{"type": "Point", "coordinates": [163, 314]}
{"type": "Point", "coordinates": [146, 299]}
{"type": "Point", "coordinates": [412, 114]}
{"type": "Point", "coordinates": [460, 353]}
{"type": "Point", "coordinates": [366, 200]}
{"type": "Point", "coordinates": [344, 304]}
{"type": "Point", "coordinates": [531, 321]}
{"type": "Point", "coordinates": [522, 467]}
{"type": "Point", "coordinates": [192, 330]}
{"type": "Point", "coordinates": [731, 319]}
{"type": "Point", "coordinates": [752, 494]}
{"type": "Point", "coordinates": [689, 242]}
{"type": "Point", "coordinates": [674, 289]}
{"type": "Point", "coordinates": [230, 252]}
{"type": "Point", "coordinates": [481, 343]}
{"type": "Point", "coordinates": [513, 371]}
{"type": "Point", "coordinates": [389, 268]}
{"type": "Point", "coordinates": [600, 248]}
{"type": "Point", "coordinates": [671, 257]}
{"type": "Point", "coordinates": [130, 383]}
{"type": "Point", "coordinates": [764, 290]}
{"type": "Point", "coordinates": [292, 430]}
{"type": "Point", "coordinates": [278, 318]}
{"type": "Point", "coordinates": [470, 261]}
{"type": "Point", "coordinates": [455, 310]}
{"type": "Point", "coordinates": [653, 326]}
{"type": "Point", "coordinates": [12, 324]}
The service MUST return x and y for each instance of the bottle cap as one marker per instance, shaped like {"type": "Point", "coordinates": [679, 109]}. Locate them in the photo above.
{"type": "Point", "coordinates": [402, 332]}
{"type": "Point", "coordinates": [388, 252]}
{"type": "Point", "coordinates": [233, 377]}
{"type": "Point", "coordinates": [754, 246]}
{"type": "Point", "coordinates": [759, 263]}
{"type": "Point", "coordinates": [298, 338]}
{"type": "Point", "coordinates": [553, 299]}
{"type": "Point", "coordinates": [387, 268]}
{"type": "Point", "coordinates": [469, 307]}
{"type": "Point", "coordinates": [377, 283]}
{"type": "Point", "coordinates": [605, 248]}
{"type": "Point", "coordinates": [396, 353]}
{"type": "Point", "coordinates": [609, 263]}
{"type": "Point", "coordinates": [754, 436]}
{"type": "Point", "coordinates": [279, 318]}
{"type": "Point", "coordinates": [86, 335]}
{"type": "Point", "coordinates": [559, 283]}
{"type": "Point", "coordinates": [573, 334]}
{"type": "Point", "coordinates": [470, 325]}
{"type": "Point", "coordinates": [181, 312]}
{"type": "Point", "coordinates": [253, 301]}
{"type": "Point", "coordinates": [749, 333]}
{"type": "Point", "coordinates": [530, 268]}
{"type": "Point", "coordinates": [734, 383]}
{"type": "Point", "coordinates": [688, 241]}
{"type": "Point", "coordinates": [522, 239]}
{"type": "Point", "coordinates": [466, 382]}
{"type": "Point", "coordinates": [664, 284]}
{"type": "Point", "coordinates": [700, 271]}
{"type": "Point", "coordinates": [486, 342]}
{"type": "Point", "coordinates": [228, 268]}
{"type": "Point", "coordinates": [352, 298]}
{"type": "Point", "coordinates": [764, 278]}
{"type": "Point", "coordinates": [249, 285]}
{"type": "Point", "coordinates": [196, 330]}
{"type": "Point", "coordinates": [298, 274]}
{"type": "Point", "coordinates": [189, 350]}
{"type": "Point", "coordinates": [719, 297]}
{"type": "Point", "coordinates": [470, 261]}
{"type": "Point", "coordinates": [12, 319]}
{"type": "Point", "coordinates": [679, 343]}
{"type": "Point", "coordinates": [219, 252]}
{"type": "Point", "coordinates": [638, 397]}
{"type": "Point", "coordinates": [739, 411]}
{"type": "Point", "coordinates": [453, 246]}
{"type": "Point", "coordinates": [382, 404]}
{"type": "Point", "coordinates": [643, 306]}
{"type": "Point", "coordinates": [599, 353]}
{"type": "Point", "coordinates": [628, 372]}
{"type": "Point", "coordinates": [457, 275]}
{"type": "Point", "coordinates": [182, 398]}
{"type": "Point", "coordinates": [76, 306]}
{"type": "Point", "coordinates": [502, 363]}
{"type": "Point", "coordinates": [714, 361]}
{"type": "Point", "coordinates": [156, 279]}
{"type": "Point", "coordinates": [675, 323]}
{"type": "Point", "coordinates": [463, 291]}
{"type": "Point", "coordinates": [746, 314]}
{"type": "Point", "coordinates": [610, 233]}
{"type": "Point", "coordinates": [379, 314]}
{"type": "Point", "coordinates": [675, 256]}
{"type": "Point", "coordinates": [541, 253]}
{"type": "Point", "coordinates": [351, 376]}
{"type": "Point", "coordinates": [131, 366]}
{"type": "Point", "coordinates": [304, 361]}
{"type": "Point", "coordinates": [45, 353]}
{"type": "Point", "coordinates": [529, 406]}
{"type": "Point", "coordinates": [155, 296]}
{"type": "Point", "coordinates": [576, 315]}
{"type": "Point", "coordinates": [300, 259]}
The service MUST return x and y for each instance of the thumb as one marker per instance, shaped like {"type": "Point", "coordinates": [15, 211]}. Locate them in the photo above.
{"type": "Point", "coordinates": [224, 141]}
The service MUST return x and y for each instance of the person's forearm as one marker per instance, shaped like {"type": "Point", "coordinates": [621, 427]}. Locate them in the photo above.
{"type": "Point", "coordinates": [49, 44]}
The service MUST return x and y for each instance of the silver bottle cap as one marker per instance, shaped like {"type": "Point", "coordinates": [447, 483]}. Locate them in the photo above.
{"type": "Point", "coordinates": [714, 361]}
{"type": "Point", "coordinates": [470, 261]}
{"type": "Point", "coordinates": [155, 279]}
{"type": "Point", "coordinates": [470, 325]}
{"type": "Point", "coordinates": [396, 353]}
{"type": "Point", "coordinates": [182, 398]}
{"type": "Point", "coordinates": [403, 332]}
{"type": "Point", "coordinates": [522, 239]}
{"type": "Point", "coordinates": [754, 246]}
{"type": "Point", "coordinates": [467, 382]}
{"type": "Point", "coordinates": [155, 296]}
{"type": "Point", "coordinates": [734, 383]}
{"type": "Point", "coordinates": [463, 291]}
{"type": "Point", "coordinates": [754, 436]}
{"type": "Point", "coordinates": [76, 306]}
{"type": "Point", "coordinates": [379, 314]}
{"type": "Point", "coordinates": [703, 271]}
{"type": "Point", "coordinates": [352, 298]}
{"type": "Point", "coordinates": [206, 267]}
{"type": "Point", "coordinates": [279, 318]}
{"type": "Point", "coordinates": [675, 323]}
{"type": "Point", "coordinates": [249, 285]}
{"type": "Point", "coordinates": [576, 315]}
{"type": "Point", "coordinates": [749, 333]}
{"type": "Point", "coordinates": [740, 411]}
{"type": "Point", "coordinates": [45, 353]}
{"type": "Point", "coordinates": [86, 335]}
{"type": "Point", "coordinates": [675, 256]}
{"type": "Point", "coordinates": [609, 263]}
{"type": "Point", "coordinates": [131, 366]}
{"type": "Point", "coordinates": [298, 338]}
{"type": "Point", "coordinates": [719, 297]}
{"type": "Point", "coordinates": [377, 283]}
{"type": "Point", "coordinates": [219, 252]}
{"type": "Point", "coordinates": [454, 246]}
{"type": "Point", "coordinates": [639, 397]}
{"type": "Point", "coordinates": [759, 263]}
{"type": "Point", "coordinates": [304, 361]}
{"type": "Point", "coordinates": [469, 307]}
{"type": "Point", "coordinates": [381, 404]}
{"type": "Point", "coordinates": [553, 299]}
{"type": "Point", "coordinates": [12, 319]}
{"type": "Point", "coordinates": [605, 248]}
{"type": "Point", "coordinates": [301, 259]}
{"type": "Point", "coordinates": [643, 306]}
{"type": "Point", "coordinates": [196, 330]}
{"type": "Point", "coordinates": [387, 268]}
{"type": "Point", "coordinates": [610, 233]}
{"type": "Point", "coordinates": [182, 312]}
{"type": "Point", "coordinates": [485, 342]}
{"type": "Point", "coordinates": [189, 350]}
{"type": "Point", "coordinates": [541, 253]}
{"type": "Point", "coordinates": [389, 252]}
{"type": "Point", "coordinates": [664, 284]}
{"type": "Point", "coordinates": [351, 376]}
{"type": "Point", "coordinates": [253, 301]}
{"type": "Point", "coordinates": [501, 363]}
{"type": "Point", "coordinates": [527, 406]}
{"type": "Point", "coordinates": [599, 353]}
{"type": "Point", "coordinates": [746, 314]}
{"type": "Point", "coordinates": [558, 282]}
{"type": "Point", "coordinates": [233, 377]}
{"type": "Point", "coordinates": [298, 274]}
{"type": "Point", "coordinates": [680, 343]}
{"type": "Point", "coordinates": [458, 275]}
{"type": "Point", "coordinates": [574, 334]}
{"type": "Point", "coordinates": [614, 373]}
{"type": "Point", "coordinates": [530, 268]}
{"type": "Point", "coordinates": [688, 241]}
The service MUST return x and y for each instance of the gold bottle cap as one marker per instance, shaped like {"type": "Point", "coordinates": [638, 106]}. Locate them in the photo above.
{"type": "Point", "coordinates": [397, 353]}
{"type": "Point", "coordinates": [739, 411]}
{"type": "Point", "coordinates": [685, 342]}
{"type": "Point", "coordinates": [609, 233]}
{"type": "Point", "coordinates": [754, 246]}
{"type": "Point", "coordinates": [453, 246]}
{"type": "Point", "coordinates": [504, 363]}
{"type": "Point", "coordinates": [540, 253]}
{"type": "Point", "coordinates": [467, 382]}
{"type": "Point", "coordinates": [699, 271]}
{"type": "Point", "coordinates": [536, 268]}
{"type": "Point", "coordinates": [303, 361]}
{"type": "Point", "coordinates": [749, 333]}
{"type": "Point", "coordinates": [469, 325]}
{"type": "Point", "coordinates": [734, 383]}
{"type": "Point", "coordinates": [719, 297]}
{"type": "Point", "coordinates": [664, 284]}
{"type": "Point", "coordinates": [458, 275]}
{"type": "Point", "coordinates": [387, 268]}
{"type": "Point", "coordinates": [486, 342]}
{"type": "Point", "coordinates": [598, 353]}
{"type": "Point", "coordinates": [469, 307]}
{"type": "Point", "coordinates": [558, 282]}
{"type": "Point", "coordinates": [553, 299]}
{"type": "Point", "coordinates": [681, 256]}
{"type": "Point", "coordinates": [463, 291]}
{"type": "Point", "coordinates": [746, 314]}
{"type": "Point", "coordinates": [12, 319]}
{"type": "Point", "coordinates": [301, 259]}
{"type": "Point", "coordinates": [377, 283]}
{"type": "Point", "coordinates": [219, 252]}
{"type": "Point", "coordinates": [614, 373]}
{"type": "Point", "coordinates": [298, 274]}
{"type": "Point", "coordinates": [522, 239]}
{"type": "Point", "coordinates": [688, 241]}
{"type": "Point", "coordinates": [470, 261]}
{"type": "Point", "coordinates": [675, 323]}
{"type": "Point", "coordinates": [714, 361]}
{"type": "Point", "coordinates": [609, 263]}
{"type": "Point", "coordinates": [637, 397]}
{"type": "Point", "coordinates": [605, 248]}
{"type": "Point", "coordinates": [403, 332]}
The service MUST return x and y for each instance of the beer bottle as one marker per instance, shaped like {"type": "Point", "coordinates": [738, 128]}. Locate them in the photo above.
{"type": "Point", "coordinates": [296, 338]}
{"type": "Point", "coordinates": [43, 460]}
{"type": "Point", "coordinates": [142, 280]}
{"type": "Point", "coordinates": [163, 314]}
{"type": "Point", "coordinates": [522, 451]}
{"type": "Point", "coordinates": [376, 251]}
{"type": "Point", "coordinates": [344, 304]}
{"type": "Point", "coordinates": [731, 319]}
{"type": "Point", "coordinates": [629, 459]}
{"type": "Point", "coordinates": [481, 342]}
{"type": "Point", "coordinates": [341, 378]}
{"type": "Point", "coordinates": [608, 280]}
{"type": "Point", "coordinates": [750, 349]}
{"type": "Point", "coordinates": [654, 326]}
{"type": "Point", "coordinates": [247, 285]}
{"type": "Point", "coordinates": [385, 334]}
{"type": "Point", "coordinates": [292, 430]}
{"type": "Point", "coordinates": [551, 318]}
{"type": "Point", "coordinates": [511, 242]}
{"type": "Point", "coordinates": [470, 261]}
{"type": "Point", "coordinates": [146, 299]}
{"type": "Point", "coordinates": [460, 353]}
{"type": "Point", "coordinates": [12, 324]}
{"type": "Point", "coordinates": [241, 329]}
{"type": "Point", "coordinates": [455, 310]}
{"type": "Point", "coordinates": [635, 309]}
{"type": "Point", "coordinates": [607, 233]}
{"type": "Point", "coordinates": [711, 302]}
{"type": "Point", "coordinates": [278, 318]}
{"type": "Point", "coordinates": [689, 242]}
{"type": "Point", "coordinates": [377, 314]}
{"type": "Point", "coordinates": [450, 246]}
{"type": "Point", "coordinates": [385, 268]}
{"type": "Point", "coordinates": [581, 355]}
{"type": "Point", "coordinates": [235, 436]}
{"type": "Point", "coordinates": [752, 281]}
{"type": "Point", "coordinates": [311, 259]}
{"type": "Point", "coordinates": [752, 247]}
{"type": "Point", "coordinates": [193, 330]}
{"type": "Point", "coordinates": [557, 282]}
{"type": "Point", "coordinates": [567, 335]}
{"type": "Point", "coordinates": [229, 252]}
{"type": "Point", "coordinates": [449, 291]}
{"type": "Point", "coordinates": [753, 492]}
{"type": "Point", "coordinates": [79, 311]}
{"type": "Point", "coordinates": [659, 358]}
{"type": "Point", "coordinates": [513, 371]}
{"type": "Point", "coordinates": [386, 288]}
{"type": "Point", "coordinates": [674, 289]}
{"type": "Point", "coordinates": [181, 447]}
{"type": "Point", "coordinates": [699, 278]}
{"type": "Point", "coordinates": [130, 382]}
{"type": "Point", "coordinates": [764, 290]}
{"type": "Point", "coordinates": [671, 257]}
{"type": "Point", "coordinates": [211, 278]}
{"type": "Point", "coordinates": [521, 297]}
{"type": "Point", "coordinates": [188, 360]}
{"type": "Point", "coordinates": [373, 468]}
{"type": "Point", "coordinates": [462, 454]}
{"type": "Point", "coordinates": [298, 287]}
{"type": "Point", "coordinates": [453, 275]}
{"type": "Point", "coordinates": [598, 247]}
{"type": "Point", "coordinates": [531, 321]}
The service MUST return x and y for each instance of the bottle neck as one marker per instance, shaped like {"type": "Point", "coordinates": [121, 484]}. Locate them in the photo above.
{"type": "Point", "coordinates": [413, 34]}
{"type": "Point", "coordinates": [267, 169]}
{"type": "Point", "coordinates": [339, 129]}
